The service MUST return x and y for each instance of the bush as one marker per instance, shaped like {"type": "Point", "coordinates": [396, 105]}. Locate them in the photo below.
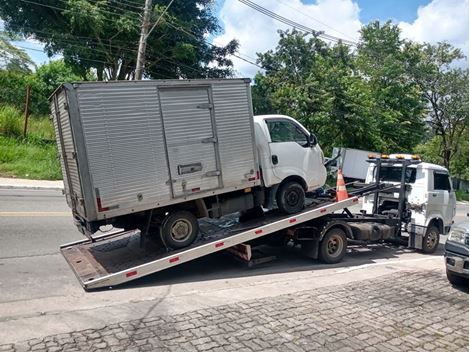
{"type": "Point", "coordinates": [10, 121]}
{"type": "Point", "coordinates": [461, 195]}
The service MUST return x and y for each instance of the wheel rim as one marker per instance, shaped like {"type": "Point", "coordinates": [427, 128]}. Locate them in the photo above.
{"type": "Point", "coordinates": [292, 198]}
{"type": "Point", "coordinates": [334, 246]}
{"type": "Point", "coordinates": [432, 239]}
{"type": "Point", "coordinates": [181, 230]}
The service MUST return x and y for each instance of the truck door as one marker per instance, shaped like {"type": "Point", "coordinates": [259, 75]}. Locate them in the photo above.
{"type": "Point", "coordinates": [291, 153]}
{"type": "Point", "coordinates": [191, 139]}
{"type": "Point", "coordinates": [441, 199]}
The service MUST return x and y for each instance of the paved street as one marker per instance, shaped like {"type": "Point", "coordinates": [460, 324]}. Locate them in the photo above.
{"type": "Point", "coordinates": [409, 311]}
{"type": "Point", "coordinates": [294, 302]}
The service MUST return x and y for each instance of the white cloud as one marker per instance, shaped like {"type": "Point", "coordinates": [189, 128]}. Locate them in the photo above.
{"type": "Point", "coordinates": [257, 32]}
{"type": "Point", "coordinates": [440, 20]}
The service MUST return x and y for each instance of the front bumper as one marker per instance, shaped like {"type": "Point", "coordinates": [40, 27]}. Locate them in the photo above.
{"type": "Point", "coordinates": [456, 263]}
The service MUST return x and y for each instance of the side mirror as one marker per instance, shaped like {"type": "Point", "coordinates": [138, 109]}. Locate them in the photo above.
{"type": "Point", "coordinates": [312, 140]}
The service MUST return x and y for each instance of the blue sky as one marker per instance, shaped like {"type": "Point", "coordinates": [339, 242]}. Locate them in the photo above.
{"type": "Point", "coordinates": [396, 10]}
{"type": "Point", "coordinates": [421, 20]}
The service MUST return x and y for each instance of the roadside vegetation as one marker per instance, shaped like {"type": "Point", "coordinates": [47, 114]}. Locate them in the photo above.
{"type": "Point", "coordinates": [384, 93]}
{"type": "Point", "coordinates": [33, 157]}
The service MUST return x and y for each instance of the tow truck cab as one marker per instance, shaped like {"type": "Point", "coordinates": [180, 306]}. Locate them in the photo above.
{"type": "Point", "coordinates": [429, 193]}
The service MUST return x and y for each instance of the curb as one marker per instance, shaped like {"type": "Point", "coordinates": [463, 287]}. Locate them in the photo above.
{"type": "Point", "coordinates": [58, 188]}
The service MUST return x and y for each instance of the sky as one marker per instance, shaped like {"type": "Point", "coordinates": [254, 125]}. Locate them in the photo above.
{"type": "Point", "coordinates": [420, 20]}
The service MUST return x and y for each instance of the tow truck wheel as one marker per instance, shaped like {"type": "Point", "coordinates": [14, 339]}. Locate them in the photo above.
{"type": "Point", "coordinates": [179, 229]}
{"type": "Point", "coordinates": [431, 240]}
{"type": "Point", "coordinates": [333, 246]}
{"type": "Point", "coordinates": [290, 197]}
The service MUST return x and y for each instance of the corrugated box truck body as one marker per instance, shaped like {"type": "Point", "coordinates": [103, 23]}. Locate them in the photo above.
{"type": "Point", "coordinates": [130, 146]}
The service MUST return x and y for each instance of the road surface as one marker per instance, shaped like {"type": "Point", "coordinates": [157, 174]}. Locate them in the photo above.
{"type": "Point", "coordinates": [39, 295]}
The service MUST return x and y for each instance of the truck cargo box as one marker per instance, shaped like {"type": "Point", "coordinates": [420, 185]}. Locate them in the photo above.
{"type": "Point", "coordinates": [130, 146]}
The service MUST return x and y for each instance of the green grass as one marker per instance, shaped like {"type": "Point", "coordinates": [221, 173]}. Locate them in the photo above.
{"type": "Point", "coordinates": [461, 195]}
{"type": "Point", "coordinates": [33, 157]}
{"type": "Point", "coordinates": [28, 159]}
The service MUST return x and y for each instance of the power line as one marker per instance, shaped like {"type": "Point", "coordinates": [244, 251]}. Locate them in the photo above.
{"type": "Point", "coordinates": [170, 23]}
{"type": "Point", "coordinates": [316, 20]}
{"type": "Point", "coordinates": [294, 24]}
{"type": "Point", "coordinates": [145, 34]}
{"type": "Point", "coordinates": [64, 9]}
{"type": "Point", "coordinates": [92, 60]}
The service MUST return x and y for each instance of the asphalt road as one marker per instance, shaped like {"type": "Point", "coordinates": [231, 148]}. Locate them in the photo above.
{"type": "Point", "coordinates": [40, 296]}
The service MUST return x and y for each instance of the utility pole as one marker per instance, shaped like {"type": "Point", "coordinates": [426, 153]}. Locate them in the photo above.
{"type": "Point", "coordinates": [145, 32]}
{"type": "Point", "coordinates": [143, 40]}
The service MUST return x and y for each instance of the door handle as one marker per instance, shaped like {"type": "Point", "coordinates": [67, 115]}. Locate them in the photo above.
{"type": "Point", "coordinates": [434, 195]}
{"type": "Point", "coordinates": [274, 159]}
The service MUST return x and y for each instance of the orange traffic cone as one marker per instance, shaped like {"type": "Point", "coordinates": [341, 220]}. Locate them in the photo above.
{"type": "Point", "coordinates": [341, 193]}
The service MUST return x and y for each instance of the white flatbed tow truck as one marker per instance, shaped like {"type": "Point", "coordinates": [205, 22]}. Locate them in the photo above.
{"type": "Point", "coordinates": [320, 230]}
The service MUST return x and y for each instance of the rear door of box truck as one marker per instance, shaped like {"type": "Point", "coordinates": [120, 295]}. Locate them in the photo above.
{"type": "Point", "coordinates": [67, 152]}
{"type": "Point", "coordinates": [189, 130]}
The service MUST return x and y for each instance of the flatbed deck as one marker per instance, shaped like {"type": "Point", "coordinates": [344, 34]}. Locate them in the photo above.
{"type": "Point", "coordinates": [114, 259]}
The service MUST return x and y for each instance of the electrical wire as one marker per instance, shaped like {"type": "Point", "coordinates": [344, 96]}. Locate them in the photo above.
{"type": "Point", "coordinates": [316, 20]}
{"type": "Point", "coordinates": [294, 24]}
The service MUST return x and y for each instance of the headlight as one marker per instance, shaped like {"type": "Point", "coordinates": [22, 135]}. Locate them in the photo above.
{"type": "Point", "coordinates": [457, 236]}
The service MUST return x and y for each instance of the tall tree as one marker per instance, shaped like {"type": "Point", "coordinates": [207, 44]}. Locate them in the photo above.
{"type": "Point", "coordinates": [316, 84]}
{"type": "Point", "coordinates": [384, 60]}
{"type": "Point", "coordinates": [445, 89]}
{"type": "Point", "coordinates": [103, 35]}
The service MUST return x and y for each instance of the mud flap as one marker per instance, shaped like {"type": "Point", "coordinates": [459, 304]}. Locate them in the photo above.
{"type": "Point", "coordinates": [310, 249]}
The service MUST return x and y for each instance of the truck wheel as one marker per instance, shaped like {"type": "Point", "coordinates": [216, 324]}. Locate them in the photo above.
{"type": "Point", "coordinates": [290, 197]}
{"type": "Point", "coordinates": [179, 229]}
{"type": "Point", "coordinates": [333, 246]}
{"type": "Point", "coordinates": [456, 280]}
{"type": "Point", "coordinates": [431, 240]}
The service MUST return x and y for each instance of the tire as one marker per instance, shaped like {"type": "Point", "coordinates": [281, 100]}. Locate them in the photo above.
{"type": "Point", "coordinates": [333, 246]}
{"type": "Point", "coordinates": [431, 240]}
{"type": "Point", "coordinates": [179, 229]}
{"type": "Point", "coordinates": [456, 280]}
{"type": "Point", "coordinates": [290, 197]}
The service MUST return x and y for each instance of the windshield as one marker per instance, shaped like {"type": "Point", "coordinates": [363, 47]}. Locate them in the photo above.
{"type": "Point", "coordinates": [393, 174]}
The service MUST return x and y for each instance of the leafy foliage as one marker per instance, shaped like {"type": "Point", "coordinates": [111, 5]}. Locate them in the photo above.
{"type": "Point", "coordinates": [445, 90]}
{"type": "Point", "coordinates": [43, 83]}
{"type": "Point", "coordinates": [348, 99]}
{"type": "Point", "coordinates": [12, 58]}
{"type": "Point", "coordinates": [104, 35]}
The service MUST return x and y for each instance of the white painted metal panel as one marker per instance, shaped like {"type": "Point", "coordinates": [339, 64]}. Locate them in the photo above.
{"type": "Point", "coordinates": [124, 143]}
{"type": "Point", "coordinates": [235, 132]}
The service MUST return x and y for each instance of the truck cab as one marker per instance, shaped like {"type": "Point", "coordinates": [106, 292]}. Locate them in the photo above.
{"type": "Point", "coordinates": [288, 151]}
{"type": "Point", "coordinates": [430, 196]}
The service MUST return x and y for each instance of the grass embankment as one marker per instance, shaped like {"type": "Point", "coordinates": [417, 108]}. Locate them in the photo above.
{"type": "Point", "coordinates": [33, 157]}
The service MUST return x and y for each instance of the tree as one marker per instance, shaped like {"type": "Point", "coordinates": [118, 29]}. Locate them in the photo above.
{"type": "Point", "coordinates": [103, 36]}
{"type": "Point", "coordinates": [445, 90]}
{"type": "Point", "coordinates": [384, 60]}
{"type": "Point", "coordinates": [13, 58]}
{"type": "Point", "coordinates": [43, 83]}
{"type": "Point", "coordinates": [317, 85]}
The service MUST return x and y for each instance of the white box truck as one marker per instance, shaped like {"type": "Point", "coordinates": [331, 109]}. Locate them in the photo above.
{"type": "Point", "coordinates": [158, 155]}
